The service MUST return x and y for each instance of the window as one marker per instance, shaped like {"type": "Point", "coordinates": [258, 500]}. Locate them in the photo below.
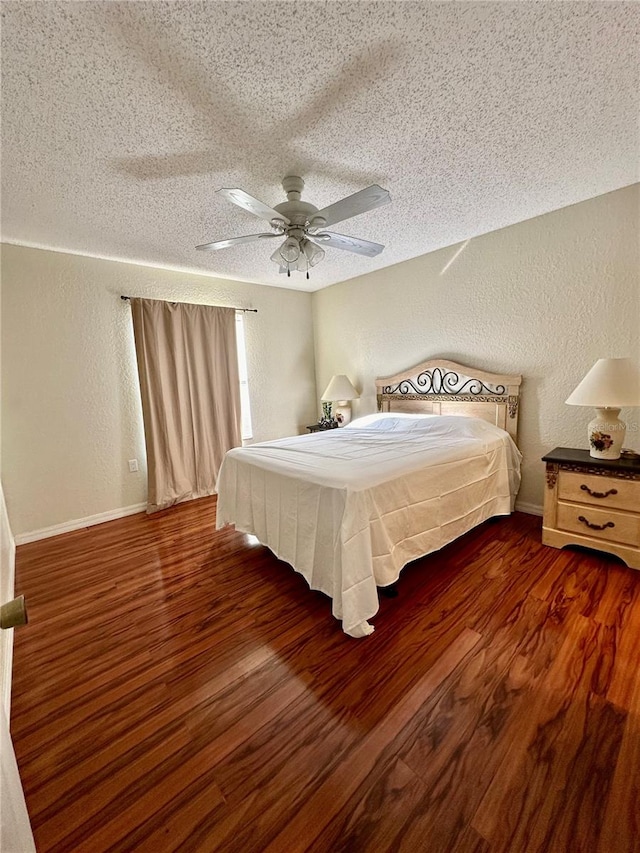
{"type": "Point", "coordinates": [245, 404]}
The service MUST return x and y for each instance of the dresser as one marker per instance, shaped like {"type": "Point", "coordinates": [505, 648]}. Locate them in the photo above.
{"type": "Point", "coordinates": [592, 502]}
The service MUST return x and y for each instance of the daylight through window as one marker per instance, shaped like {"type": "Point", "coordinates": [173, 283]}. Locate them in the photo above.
{"type": "Point", "coordinates": [245, 405]}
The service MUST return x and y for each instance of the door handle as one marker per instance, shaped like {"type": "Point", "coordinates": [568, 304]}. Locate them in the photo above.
{"type": "Point", "coordinates": [14, 613]}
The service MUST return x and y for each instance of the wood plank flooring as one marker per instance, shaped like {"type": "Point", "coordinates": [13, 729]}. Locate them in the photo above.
{"type": "Point", "coordinates": [180, 689]}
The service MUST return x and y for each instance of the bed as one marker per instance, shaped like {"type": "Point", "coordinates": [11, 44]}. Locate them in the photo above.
{"type": "Point", "coordinates": [348, 508]}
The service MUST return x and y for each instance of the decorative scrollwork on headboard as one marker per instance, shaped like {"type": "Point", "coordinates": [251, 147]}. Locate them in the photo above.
{"type": "Point", "coordinates": [439, 386]}
{"type": "Point", "coordinates": [437, 380]}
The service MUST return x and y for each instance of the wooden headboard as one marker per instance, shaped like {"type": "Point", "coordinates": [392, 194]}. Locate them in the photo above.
{"type": "Point", "coordinates": [442, 387]}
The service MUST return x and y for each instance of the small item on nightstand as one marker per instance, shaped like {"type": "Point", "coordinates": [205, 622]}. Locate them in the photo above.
{"type": "Point", "coordinates": [341, 391]}
{"type": "Point", "coordinates": [610, 384]}
{"type": "Point", "coordinates": [629, 454]}
{"type": "Point", "coordinates": [323, 424]}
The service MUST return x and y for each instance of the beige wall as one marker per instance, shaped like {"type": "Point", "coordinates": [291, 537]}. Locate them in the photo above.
{"type": "Point", "coordinates": [70, 406]}
{"type": "Point", "coordinates": [544, 298]}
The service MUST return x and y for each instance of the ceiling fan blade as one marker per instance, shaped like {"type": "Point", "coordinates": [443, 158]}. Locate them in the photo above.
{"type": "Point", "coordinates": [235, 241]}
{"type": "Point", "coordinates": [253, 205]}
{"type": "Point", "coordinates": [353, 205]}
{"type": "Point", "coordinates": [349, 244]}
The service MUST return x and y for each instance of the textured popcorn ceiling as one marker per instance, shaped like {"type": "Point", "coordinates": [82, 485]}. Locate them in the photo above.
{"type": "Point", "coordinates": [120, 120]}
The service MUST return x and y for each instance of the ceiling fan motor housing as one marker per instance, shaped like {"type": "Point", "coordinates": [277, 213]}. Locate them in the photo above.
{"type": "Point", "coordinates": [297, 212]}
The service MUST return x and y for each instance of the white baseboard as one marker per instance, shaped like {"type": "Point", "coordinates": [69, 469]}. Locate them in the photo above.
{"type": "Point", "coordinates": [78, 523]}
{"type": "Point", "coordinates": [110, 515]}
{"type": "Point", "coordinates": [530, 509]}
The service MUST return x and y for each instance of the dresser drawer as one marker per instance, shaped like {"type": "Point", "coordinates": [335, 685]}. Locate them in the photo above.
{"type": "Point", "coordinates": [600, 523]}
{"type": "Point", "coordinates": [599, 490]}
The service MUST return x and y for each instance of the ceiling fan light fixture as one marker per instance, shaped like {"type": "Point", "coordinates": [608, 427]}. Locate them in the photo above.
{"type": "Point", "coordinates": [290, 250]}
{"type": "Point", "coordinates": [313, 253]}
{"type": "Point", "coordinates": [277, 258]}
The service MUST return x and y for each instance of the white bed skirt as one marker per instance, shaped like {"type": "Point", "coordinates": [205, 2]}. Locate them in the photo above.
{"type": "Point", "coordinates": [346, 535]}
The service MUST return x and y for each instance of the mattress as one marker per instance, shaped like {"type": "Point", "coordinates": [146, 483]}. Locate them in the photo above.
{"type": "Point", "coordinates": [348, 508]}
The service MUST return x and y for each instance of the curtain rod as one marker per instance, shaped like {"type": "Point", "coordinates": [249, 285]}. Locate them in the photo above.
{"type": "Point", "coordinates": [174, 302]}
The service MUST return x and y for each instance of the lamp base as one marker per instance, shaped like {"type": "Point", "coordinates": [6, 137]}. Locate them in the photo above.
{"type": "Point", "coordinates": [606, 434]}
{"type": "Point", "coordinates": [342, 412]}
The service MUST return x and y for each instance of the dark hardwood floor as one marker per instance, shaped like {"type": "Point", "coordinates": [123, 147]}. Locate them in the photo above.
{"type": "Point", "coordinates": [179, 689]}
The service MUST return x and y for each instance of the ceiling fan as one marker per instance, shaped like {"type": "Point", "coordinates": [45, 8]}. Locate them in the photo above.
{"type": "Point", "coordinates": [302, 225]}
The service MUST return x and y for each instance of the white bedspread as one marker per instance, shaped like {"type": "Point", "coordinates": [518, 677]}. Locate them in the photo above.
{"type": "Point", "coordinates": [348, 508]}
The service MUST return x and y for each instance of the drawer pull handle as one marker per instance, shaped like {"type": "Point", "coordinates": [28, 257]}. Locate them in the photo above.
{"type": "Point", "coordinates": [598, 494]}
{"type": "Point", "coordinates": [595, 526]}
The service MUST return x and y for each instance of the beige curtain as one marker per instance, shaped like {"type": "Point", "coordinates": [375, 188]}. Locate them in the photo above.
{"type": "Point", "coordinates": [188, 369]}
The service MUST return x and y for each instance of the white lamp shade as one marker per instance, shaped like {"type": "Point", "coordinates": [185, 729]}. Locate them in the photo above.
{"type": "Point", "coordinates": [611, 383]}
{"type": "Point", "coordinates": [340, 388]}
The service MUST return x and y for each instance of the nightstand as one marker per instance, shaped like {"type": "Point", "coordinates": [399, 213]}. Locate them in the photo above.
{"type": "Point", "coordinates": [322, 427]}
{"type": "Point", "coordinates": [592, 502]}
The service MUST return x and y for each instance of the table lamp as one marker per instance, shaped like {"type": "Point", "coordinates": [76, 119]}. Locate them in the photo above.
{"type": "Point", "coordinates": [610, 384]}
{"type": "Point", "coordinates": [341, 391]}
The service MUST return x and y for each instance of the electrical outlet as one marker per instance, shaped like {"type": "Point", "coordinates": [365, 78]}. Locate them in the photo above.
{"type": "Point", "coordinates": [133, 466]}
